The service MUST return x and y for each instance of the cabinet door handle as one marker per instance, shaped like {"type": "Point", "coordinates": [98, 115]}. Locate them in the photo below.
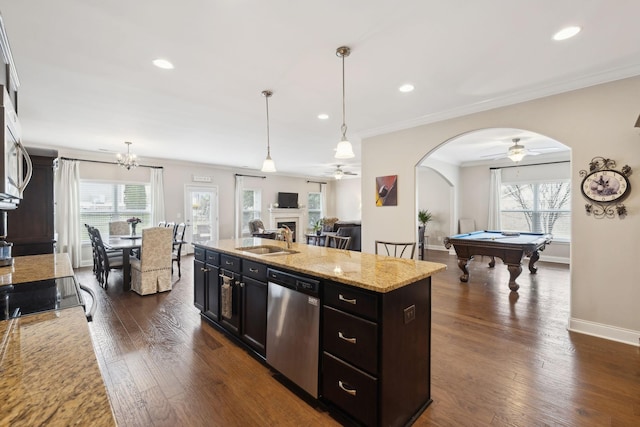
{"type": "Point", "coordinates": [242, 284]}
{"type": "Point", "coordinates": [253, 270]}
{"type": "Point", "coordinates": [204, 269]}
{"type": "Point", "coordinates": [351, 340]}
{"type": "Point", "coordinates": [346, 388]}
{"type": "Point", "coordinates": [350, 301]}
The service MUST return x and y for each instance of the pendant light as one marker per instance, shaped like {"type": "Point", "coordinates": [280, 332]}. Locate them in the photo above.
{"type": "Point", "coordinates": [344, 150]}
{"type": "Point", "coordinates": [268, 165]}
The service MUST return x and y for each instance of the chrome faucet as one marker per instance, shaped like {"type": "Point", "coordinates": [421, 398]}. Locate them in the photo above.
{"type": "Point", "coordinates": [288, 235]}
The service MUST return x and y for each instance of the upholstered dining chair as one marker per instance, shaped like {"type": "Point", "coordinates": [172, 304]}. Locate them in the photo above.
{"type": "Point", "coordinates": [396, 249]}
{"type": "Point", "coordinates": [256, 226]}
{"type": "Point", "coordinates": [338, 242]}
{"type": "Point", "coordinates": [152, 273]}
{"type": "Point", "coordinates": [119, 228]}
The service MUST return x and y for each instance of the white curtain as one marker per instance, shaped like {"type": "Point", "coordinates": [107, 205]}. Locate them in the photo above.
{"type": "Point", "coordinates": [238, 205]}
{"type": "Point", "coordinates": [157, 196]}
{"type": "Point", "coordinates": [494, 200]}
{"type": "Point", "coordinates": [67, 210]}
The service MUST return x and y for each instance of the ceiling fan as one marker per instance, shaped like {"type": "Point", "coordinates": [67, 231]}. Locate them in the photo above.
{"type": "Point", "coordinates": [518, 151]}
{"type": "Point", "coordinates": [338, 172]}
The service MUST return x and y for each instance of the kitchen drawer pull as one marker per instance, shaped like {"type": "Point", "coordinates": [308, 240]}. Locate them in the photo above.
{"type": "Point", "coordinates": [253, 270]}
{"type": "Point", "coordinates": [350, 301]}
{"type": "Point", "coordinates": [228, 262]}
{"type": "Point", "coordinates": [204, 269]}
{"type": "Point", "coordinates": [346, 388]}
{"type": "Point", "coordinates": [351, 340]}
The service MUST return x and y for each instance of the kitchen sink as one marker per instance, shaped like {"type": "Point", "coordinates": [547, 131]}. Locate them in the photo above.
{"type": "Point", "coordinates": [267, 250]}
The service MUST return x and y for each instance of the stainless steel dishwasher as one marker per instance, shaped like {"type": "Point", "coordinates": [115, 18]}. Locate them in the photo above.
{"type": "Point", "coordinates": [293, 325]}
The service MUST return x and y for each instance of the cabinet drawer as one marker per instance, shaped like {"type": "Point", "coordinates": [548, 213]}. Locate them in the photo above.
{"type": "Point", "coordinates": [213, 258]}
{"type": "Point", "coordinates": [199, 254]}
{"type": "Point", "coordinates": [230, 263]}
{"type": "Point", "coordinates": [254, 270]}
{"type": "Point", "coordinates": [351, 338]}
{"type": "Point", "coordinates": [351, 300]}
{"type": "Point", "coordinates": [354, 391]}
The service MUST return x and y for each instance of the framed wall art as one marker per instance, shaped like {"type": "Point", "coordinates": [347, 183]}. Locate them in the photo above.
{"type": "Point", "coordinates": [387, 190]}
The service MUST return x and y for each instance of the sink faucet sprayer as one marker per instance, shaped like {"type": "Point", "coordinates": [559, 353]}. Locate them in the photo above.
{"type": "Point", "coordinates": [288, 235]}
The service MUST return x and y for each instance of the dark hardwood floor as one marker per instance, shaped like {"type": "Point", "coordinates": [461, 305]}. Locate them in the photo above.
{"type": "Point", "coordinates": [498, 359]}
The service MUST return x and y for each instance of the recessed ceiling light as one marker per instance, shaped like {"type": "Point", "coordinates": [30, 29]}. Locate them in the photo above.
{"type": "Point", "coordinates": [323, 116]}
{"type": "Point", "coordinates": [163, 63]}
{"type": "Point", "coordinates": [566, 33]}
{"type": "Point", "coordinates": [406, 88]}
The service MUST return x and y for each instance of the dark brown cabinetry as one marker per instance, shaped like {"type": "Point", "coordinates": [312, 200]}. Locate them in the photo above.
{"type": "Point", "coordinates": [376, 352]}
{"type": "Point", "coordinates": [254, 305]}
{"type": "Point", "coordinates": [31, 225]}
{"type": "Point", "coordinates": [205, 282]}
{"type": "Point", "coordinates": [247, 295]}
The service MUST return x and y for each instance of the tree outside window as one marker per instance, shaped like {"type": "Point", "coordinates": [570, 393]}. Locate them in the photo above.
{"type": "Point", "coordinates": [542, 207]}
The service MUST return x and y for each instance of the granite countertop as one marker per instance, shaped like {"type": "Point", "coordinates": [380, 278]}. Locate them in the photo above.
{"type": "Point", "coordinates": [373, 272]}
{"type": "Point", "coordinates": [36, 267]}
{"type": "Point", "coordinates": [49, 374]}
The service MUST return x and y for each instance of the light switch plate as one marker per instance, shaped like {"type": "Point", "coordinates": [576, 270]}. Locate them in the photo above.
{"type": "Point", "coordinates": [409, 314]}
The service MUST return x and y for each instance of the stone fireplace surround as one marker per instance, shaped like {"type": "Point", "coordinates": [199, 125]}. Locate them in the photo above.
{"type": "Point", "coordinates": [296, 216]}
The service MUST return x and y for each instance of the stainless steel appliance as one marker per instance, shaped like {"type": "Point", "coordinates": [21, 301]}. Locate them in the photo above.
{"type": "Point", "coordinates": [22, 299]}
{"type": "Point", "coordinates": [16, 167]}
{"type": "Point", "coordinates": [293, 325]}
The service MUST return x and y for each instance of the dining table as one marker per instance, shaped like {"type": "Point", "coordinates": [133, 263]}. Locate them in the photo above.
{"type": "Point", "coordinates": [127, 244]}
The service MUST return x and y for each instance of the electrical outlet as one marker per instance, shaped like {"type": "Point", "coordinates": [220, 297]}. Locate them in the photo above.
{"type": "Point", "coordinates": [409, 314]}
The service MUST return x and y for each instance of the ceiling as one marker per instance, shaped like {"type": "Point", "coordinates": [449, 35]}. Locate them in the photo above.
{"type": "Point", "coordinates": [88, 81]}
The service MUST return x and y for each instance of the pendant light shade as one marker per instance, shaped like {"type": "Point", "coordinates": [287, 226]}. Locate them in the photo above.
{"type": "Point", "coordinates": [344, 150]}
{"type": "Point", "coordinates": [268, 165]}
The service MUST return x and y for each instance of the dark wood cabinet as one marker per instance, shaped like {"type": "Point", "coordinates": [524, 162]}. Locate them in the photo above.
{"type": "Point", "coordinates": [376, 352]}
{"type": "Point", "coordinates": [30, 227]}
{"type": "Point", "coordinates": [254, 305]}
{"type": "Point", "coordinates": [205, 282]}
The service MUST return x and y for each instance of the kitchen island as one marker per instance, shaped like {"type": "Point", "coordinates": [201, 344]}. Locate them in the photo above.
{"type": "Point", "coordinates": [49, 374]}
{"type": "Point", "coordinates": [374, 319]}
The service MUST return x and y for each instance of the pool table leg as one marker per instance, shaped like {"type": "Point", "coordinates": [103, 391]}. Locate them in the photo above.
{"type": "Point", "coordinates": [463, 263]}
{"type": "Point", "coordinates": [514, 272]}
{"type": "Point", "coordinates": [535, 256]}
{"type": "Point", "coordinates": [492, 263]}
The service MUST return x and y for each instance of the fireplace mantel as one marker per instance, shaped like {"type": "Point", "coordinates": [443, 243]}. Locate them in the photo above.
{"type": "Point", "coordinates": [289, 215]}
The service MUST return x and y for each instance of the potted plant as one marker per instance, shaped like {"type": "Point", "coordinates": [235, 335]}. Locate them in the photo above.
{"type": "Point", "coordinates": [317, 227]}
{"type": "Point", "coordinates": [424, 216]}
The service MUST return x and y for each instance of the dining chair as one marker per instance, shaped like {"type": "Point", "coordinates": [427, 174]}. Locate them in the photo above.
{"type": "Point", "coordinates": [152, 272]}
{"type": "Point", "coordinates": [338, 242]}
{"type": "Point", "coordinates": [119, 228]}
{"type": "Point", "coordinates": [106, 261]}
{"type": "Point", "coordinates": [162, 223]}
{"type": "Point", "coordinates": [395, 249]}
{"type": "Point", "coordinates": [178, 240]}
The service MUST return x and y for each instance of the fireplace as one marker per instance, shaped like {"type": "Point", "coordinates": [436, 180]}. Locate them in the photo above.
{"type": "Point", "coordinates": [292, 218]}
{"type": "Point", "coordinates": [292, 226]}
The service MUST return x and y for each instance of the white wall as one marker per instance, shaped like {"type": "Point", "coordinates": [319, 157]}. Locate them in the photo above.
{"type": "Point", "coordinates": [596, 121]}
{"type": "Point", "coordinates": [437, 195]}
{"type": "Point", "coordinates": [348, 199]}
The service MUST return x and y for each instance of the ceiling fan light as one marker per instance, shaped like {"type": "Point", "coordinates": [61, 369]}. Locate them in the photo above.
{"type": "Point", "coordinates": [338, 174]}
{"type": "Point", "coordinates": [344, 150]}
{"type": "Point", "coordinates": [516, 153]}
{"type": "Point", "coordinates": [268, 165]}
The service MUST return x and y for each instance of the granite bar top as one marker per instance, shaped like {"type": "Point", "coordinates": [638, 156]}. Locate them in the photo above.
{"type": "Point", "coordinates": [377, 273]}
{"type": "Point", "coordinates": [49, 374]}
{"type": "Point", "coordinates": [36, 267]}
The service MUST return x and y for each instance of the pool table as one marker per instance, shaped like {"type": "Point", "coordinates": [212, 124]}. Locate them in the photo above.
{"type": "Point", "coordinates": [511, 247]}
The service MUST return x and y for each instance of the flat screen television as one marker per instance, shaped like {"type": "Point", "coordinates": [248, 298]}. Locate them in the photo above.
{"type": "Point", "coordinates": [288, 200]}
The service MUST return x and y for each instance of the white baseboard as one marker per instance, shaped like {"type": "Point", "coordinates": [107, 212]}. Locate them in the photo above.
{"type": "Point", "coordinates": [626, 336]}
{"type": "Point", "coordinates": [558, 259]}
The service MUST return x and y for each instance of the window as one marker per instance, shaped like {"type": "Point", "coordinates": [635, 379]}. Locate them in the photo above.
{"type": "Point", "coordinates": [314, 207]}
{"type": "Point", "coordinates": [539, 207]}
{"type": "Point", "coordinates": [102, 202]}
{"type": "Point", "coordinates": [251, 208]}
